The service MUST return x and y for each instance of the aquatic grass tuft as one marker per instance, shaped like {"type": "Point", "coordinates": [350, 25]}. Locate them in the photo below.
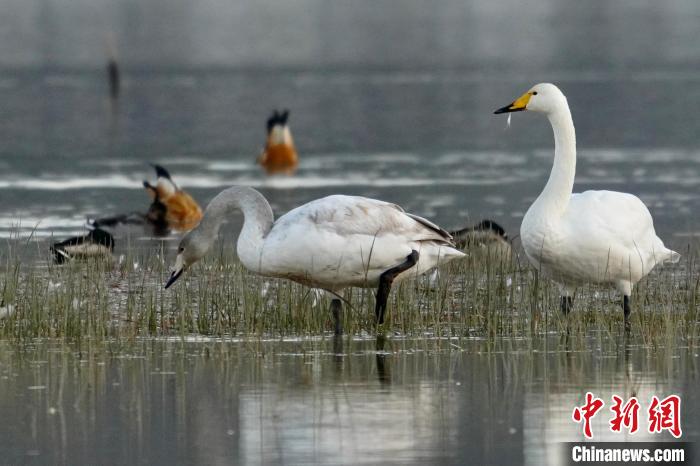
{"type": "Point", "coordinates": [483, 295]}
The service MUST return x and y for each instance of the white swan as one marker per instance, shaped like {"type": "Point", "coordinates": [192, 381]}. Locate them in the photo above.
{"type": "Point", "coordinates": [330, 243]}
{"type": "Point", "coordinates": [595, 236]}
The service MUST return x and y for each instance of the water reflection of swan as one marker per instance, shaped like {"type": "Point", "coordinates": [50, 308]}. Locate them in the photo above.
{"type": "Point", "coordinates": [547, 420]}
{"type": "Point", "coordinates": [354, 419]}
{"type": "Point", "coordinates": [591, 237]}
{"type": "Point", "coordinates": [383, 361]}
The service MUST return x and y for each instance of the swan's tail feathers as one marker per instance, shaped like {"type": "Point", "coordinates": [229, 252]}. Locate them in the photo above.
{"type": "Point", "coordinates": [430, 225]}
{"type": "Point", "coordinates": [672, 256]}
{"type": "Point", "coordinates": [447, 253]}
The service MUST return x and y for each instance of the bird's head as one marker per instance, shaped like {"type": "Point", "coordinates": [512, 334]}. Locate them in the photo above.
{"type": "Point", "coordinates": [192, 248]}
{"type": "Point", "coordinates": [165, 186]}
{"type": "Point", "coordinates": [542, 98]}
{"type": "Point", "coordinates": [278, 131]}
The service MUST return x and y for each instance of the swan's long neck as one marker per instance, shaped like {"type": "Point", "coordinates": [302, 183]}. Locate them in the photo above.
{"type": "Point", "coordinates": [258, 220]}
{"type": "Point", "coordinates": [557, 193]}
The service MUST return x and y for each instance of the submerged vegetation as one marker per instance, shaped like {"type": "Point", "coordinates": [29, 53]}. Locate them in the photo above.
{"type": "Point", "coordinates": [479, 296]}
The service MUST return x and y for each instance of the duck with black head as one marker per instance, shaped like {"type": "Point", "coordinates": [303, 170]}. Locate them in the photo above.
{"type": "Point", "coordinates": [98, 243]}
{"type": "Point", "coordinates": [280, 155]}
{"type": "Point", "coordinates": [486, 239]}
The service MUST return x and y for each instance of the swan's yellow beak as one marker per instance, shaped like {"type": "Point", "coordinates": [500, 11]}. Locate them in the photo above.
{"type": "Point", "coordinates": [518, 105]}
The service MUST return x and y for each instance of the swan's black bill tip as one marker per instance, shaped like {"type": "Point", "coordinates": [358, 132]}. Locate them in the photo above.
{"type": "Point", "coordinates": [508, 109]}
{"type": "Point", "coordinates": [173, 278]}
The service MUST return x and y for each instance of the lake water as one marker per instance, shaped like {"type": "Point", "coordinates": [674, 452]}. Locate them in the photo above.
{"type": "Point", "coordinates": [313, 401]}
{"type": "Point", "coordinates": [401, 117]}
{"type": "Point", "coordinates": [425, 140]}
{"type": "Point", "coordinates": [392, 100]}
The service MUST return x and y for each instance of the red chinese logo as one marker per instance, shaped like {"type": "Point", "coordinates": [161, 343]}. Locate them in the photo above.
{"type": "Point", "coordinates": [626, 415]}
{"type": "Point", "coordinates": [665, 415]}
{"type": "Point", "coordinates": [586, 413]}
{"type": "Point", "coordinates": [662, 414]}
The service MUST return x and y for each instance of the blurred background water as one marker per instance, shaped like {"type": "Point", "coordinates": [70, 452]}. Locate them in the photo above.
{"type": "Point", "coordinates": [388, 99]}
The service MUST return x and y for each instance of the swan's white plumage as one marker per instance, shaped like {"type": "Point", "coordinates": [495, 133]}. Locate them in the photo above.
{"type": "Point", "coordinates": [330, 243]}
{"type": "Point", "coordinates": [594, 236]}
{"type": "Point", "coordinates": [603, 236]}
{"type": "Point", "coordinates": [340, 241]}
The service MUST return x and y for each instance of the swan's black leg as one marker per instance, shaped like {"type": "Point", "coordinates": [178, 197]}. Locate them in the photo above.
{"type": "Point", "coordinates": [627, 310]}
{"type": "Point", "coordinates": [567, 303]}
{"type": "Point", "coordinates": [385, 281]}
{"type": "Point", "coordinates": [337, 312]}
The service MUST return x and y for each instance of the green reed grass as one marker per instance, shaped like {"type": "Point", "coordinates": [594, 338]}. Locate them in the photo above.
{"type": "Point", "coordinates": [481, 296]}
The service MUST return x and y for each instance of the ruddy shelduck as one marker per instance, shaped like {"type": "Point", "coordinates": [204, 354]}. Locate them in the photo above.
{"type": "Point", "coordinates": [175, 208]}
{"type": "Point", "coordinates": [280, 155]}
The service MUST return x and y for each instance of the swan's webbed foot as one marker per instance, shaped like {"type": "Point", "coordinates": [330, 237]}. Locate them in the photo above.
{"type": "Point", "coordinates": [337, 312]}
{"type": "Point", "coordinates": [385, 281]}
{"type": "Point", "coordinates": [627, 309]}
{"type": "Point", "coordinates": [567, 303]}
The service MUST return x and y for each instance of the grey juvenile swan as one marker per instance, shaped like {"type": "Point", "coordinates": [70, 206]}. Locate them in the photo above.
{"type": "Point", "coordinates": [330, 243]}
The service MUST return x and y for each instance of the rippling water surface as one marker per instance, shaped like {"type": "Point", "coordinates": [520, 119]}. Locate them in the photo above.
{"type": "Point", "coordinates": [356, 401]}
{"type": "Point", "coordinates": [394, 103]}
{"type": "Point", "coordinates": [429, 144]}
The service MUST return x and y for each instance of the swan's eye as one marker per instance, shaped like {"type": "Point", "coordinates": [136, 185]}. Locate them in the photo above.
{"type": "Point", "coordinates": [534, 92]}
{"type": "Point", "coordinates": [180, 249]}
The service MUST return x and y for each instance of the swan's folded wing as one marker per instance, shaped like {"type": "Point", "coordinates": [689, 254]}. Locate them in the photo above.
{"type": "Point", "coordinates": [343, 241]}
{"type": "Point", "coordinates": [353, 215]}
{"type": "Point", "coordinates": [616, 223]}
{"type": "Point", "coordinates": [427, 223]}
{"type": "Point", "coordinates": [621, 216]}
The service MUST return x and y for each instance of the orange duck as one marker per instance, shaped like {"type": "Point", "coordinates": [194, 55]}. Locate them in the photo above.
{"type": "Point", "coordinates": [171, 207]}
{"type": "Point", "coordinates": [279, 155]}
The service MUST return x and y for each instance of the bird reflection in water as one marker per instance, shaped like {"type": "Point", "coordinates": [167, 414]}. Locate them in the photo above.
{"type": "Point", "coordinates": [383, 364]}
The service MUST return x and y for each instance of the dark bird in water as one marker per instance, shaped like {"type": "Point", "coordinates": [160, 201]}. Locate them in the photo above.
{"type": "Point", "coordinates": [279, 155]}
{"type": "Point", "coordinates": [154, 218]}
{"type": "Point", "coordinates": [486, 235]}
{"type": "Point", "coordinates": [97, 243]}
{"type": "Point", "coordinates": [114, 79]}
